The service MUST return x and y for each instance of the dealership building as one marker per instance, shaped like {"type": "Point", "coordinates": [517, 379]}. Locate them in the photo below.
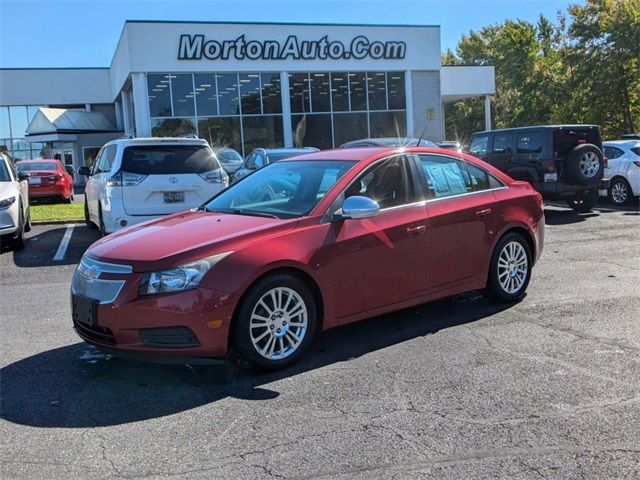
{"type": "Point", "coordinates": [242, 85]}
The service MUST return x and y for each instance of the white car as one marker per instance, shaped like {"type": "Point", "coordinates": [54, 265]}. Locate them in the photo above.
{"type": "Point", "coordinates": [623, 170]}
{"type": "Point", "coordinates": [14, 204]}
{"type": "Point", "coordinates": [135, 180]}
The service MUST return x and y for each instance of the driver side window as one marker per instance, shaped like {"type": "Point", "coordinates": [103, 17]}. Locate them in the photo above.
{"type": "Point", "coordinates": [388, 183]}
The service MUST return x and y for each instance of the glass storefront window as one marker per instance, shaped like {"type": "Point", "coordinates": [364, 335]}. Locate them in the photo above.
{"type": "Point", "coordinates": [5, 129]}
{"type": "Point", "coordinates": [357, 85]}
{"type": "Point", "coordinates": [377, 90]}
{"type": "Point", "coordinates": [159, 95]}
{"type": "Point", "coordinates": [320, 92]}
{"type": "Point", "coordinates": [173, 127]}
{"type": "Point", "coordinates": [262, 131]}
{"type": "Point", "coordinates": [299, 92]}
{"type": "Point", "coordinates": [250, 93]}
{"type": "Point", "coordinates": [229, 100]}
{"type": "Point", "coordinates": [19, 121]}
{"type": "Point", "coordinates": [349, 126]}
{"type": "Point", "coordinates": [271, 97]}
{"type": "Point", "coordinates": [221, 132]}
{"type": "Point", "coordinates": [206, 94]}
{"type": "Point", "coordinates": [388, 124]}
{"type": "Point", "coordinates": [182, 94]}
{"type": "Point", "coordinates": [340, 92]}
{"type": "Point", "coordinates": [395, 80]}
{"type": "Point", "coordinates": [312, 130]}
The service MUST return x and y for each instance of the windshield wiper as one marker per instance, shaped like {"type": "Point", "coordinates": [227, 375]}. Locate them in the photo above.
{"type": "Point", "coordinates": [240, 211]}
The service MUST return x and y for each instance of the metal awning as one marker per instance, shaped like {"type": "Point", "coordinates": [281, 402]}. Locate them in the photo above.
{"type": "Point", "coordinates": [64, 121]}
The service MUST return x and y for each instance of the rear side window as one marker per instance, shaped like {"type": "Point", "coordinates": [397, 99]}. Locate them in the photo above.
{"type": "Point", "coordinates": [529, 142]}
{"type": "Point", "coordinates": [612, 152]}
{"type": "Point", "coordinates": [168, 159]}
{"type": "Point", "coordinates": [502, 143]}
{"type": "Point", "coordinates": [636, 150]}
{"type": "Point", "coordinates": [4, 171]}
{"type": "Point", "coordinates": [478, 145]}
{"type": "Point", "coordinates": [481, 179]}
{"type": "Point", "coordinates": [446, 176]}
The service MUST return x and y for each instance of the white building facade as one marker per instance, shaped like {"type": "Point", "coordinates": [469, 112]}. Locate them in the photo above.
{"type": "Point", "coordinates": [243, 86]}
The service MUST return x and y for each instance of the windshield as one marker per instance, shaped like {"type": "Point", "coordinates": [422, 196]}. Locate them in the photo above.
{"type": "Point", "coordinates": [283, 190]}
{"type": "Point", "coordinates": [168, 159]}
{"type": "Point", "coordinates": [4, 172]}
{"type": "Point", "coordinates": [30, 167]}
{"type": "Point", "coordinates": [227, 155]}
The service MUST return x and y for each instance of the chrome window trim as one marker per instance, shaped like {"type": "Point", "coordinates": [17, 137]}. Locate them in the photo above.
{"type": "Point", "coordinates": [104, 267]}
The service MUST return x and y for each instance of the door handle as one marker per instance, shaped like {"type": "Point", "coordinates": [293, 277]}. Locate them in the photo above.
{"type": "Point", "coordinates": [420, 229]}
{"type": "Point", "coordinates": [483, 213]}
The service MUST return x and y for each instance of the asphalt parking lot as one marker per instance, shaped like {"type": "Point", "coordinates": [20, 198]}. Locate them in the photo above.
{"type": "Point", "coordinates": [461, 388]}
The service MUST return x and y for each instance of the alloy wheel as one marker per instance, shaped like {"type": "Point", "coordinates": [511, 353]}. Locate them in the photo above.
{"type": "Point", "coordinates": [278, 323]}
{"type": "Point", "coordinates": [589, 164]}
{"type": "Point", "coordinates": [619, 193]}
{"type": "Point", "coordinates": [512, 267]}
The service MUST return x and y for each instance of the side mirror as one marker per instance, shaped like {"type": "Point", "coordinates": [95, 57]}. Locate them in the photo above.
{"type": "Point", "coordinates": [359, 207]}
{"type": "Point", "coordinates": [23, 176]}
{"type": "Point", "coordinates": [84, 171]}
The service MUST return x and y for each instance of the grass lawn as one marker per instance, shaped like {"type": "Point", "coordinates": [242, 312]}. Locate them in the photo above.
{"type": "Point", "coordinates": [57, 211]}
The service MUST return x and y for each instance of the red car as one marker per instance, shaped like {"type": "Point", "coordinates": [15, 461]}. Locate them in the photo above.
{"type": "Point", "coordinates": [47, 179]}
{"type": "Point", "coordinates": [304, 245]}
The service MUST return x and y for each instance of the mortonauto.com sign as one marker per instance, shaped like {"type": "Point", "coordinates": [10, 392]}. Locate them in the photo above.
{"type": "Point", "coordinates": [195, 47]}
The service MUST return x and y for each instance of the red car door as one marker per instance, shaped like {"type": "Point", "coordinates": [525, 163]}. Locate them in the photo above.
{"type": "Point", "coordinates": [373, 262]}
{"type": "Point", "coordinates": [461, 222]}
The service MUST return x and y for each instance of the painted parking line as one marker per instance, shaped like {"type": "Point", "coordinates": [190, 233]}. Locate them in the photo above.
{"type": "Point", "coordinates": [64, 244]}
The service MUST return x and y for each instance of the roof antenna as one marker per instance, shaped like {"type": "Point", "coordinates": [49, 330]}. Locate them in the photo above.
{"type": "Point", "coordinates": [421, 135]}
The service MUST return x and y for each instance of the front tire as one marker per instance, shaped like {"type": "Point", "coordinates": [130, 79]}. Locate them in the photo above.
{"type": "Point", "coordinates": [510, 269]}
{"type": "Point", "coordinates": [619, 192]}
{"type": "Point", "coordinates": [584, 202]}
{"type": "Point", "coordinates": [276, 322]}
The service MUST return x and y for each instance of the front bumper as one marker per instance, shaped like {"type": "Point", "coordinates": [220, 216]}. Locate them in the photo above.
{"type": "Point", "coordinates": [9, 220]}
{"type": "Point", "coordinates": [192, 324]}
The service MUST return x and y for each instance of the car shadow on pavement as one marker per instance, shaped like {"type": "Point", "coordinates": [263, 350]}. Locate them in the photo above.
{"type": "Point", "coordinates": [566, 217]}
{"type": "Point", "coordinates": [78, 386]}
{"type": "Point", "coordinates": [42, 247]}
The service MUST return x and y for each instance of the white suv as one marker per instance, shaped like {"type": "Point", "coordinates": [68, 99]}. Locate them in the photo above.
{"type": "Point", "coordinates": [134, 180]}
{"type": "Point", "coordinates": [14, 204]}
{"type": "Point", "coordinates": [623, 170]}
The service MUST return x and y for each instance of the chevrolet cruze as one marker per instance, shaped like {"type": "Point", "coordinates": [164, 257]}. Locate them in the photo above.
{"type": "Point", "coordinates": [304, 245]}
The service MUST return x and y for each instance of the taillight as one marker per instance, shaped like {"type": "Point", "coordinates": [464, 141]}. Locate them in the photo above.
{"type": "Point", "coordinates": [606, 162]}
{"type": "Point", "coordinates": [636, 163]}
{"type": "Point", "coordinates": [125, 179]}
{"type": "Point", "coordinates": [215, 176]}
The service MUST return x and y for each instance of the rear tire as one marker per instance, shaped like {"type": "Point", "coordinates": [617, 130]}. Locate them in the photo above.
{"type": "Point", "coordinates": [620, 192]}
{"type": "Point", "coordinates": [101, 227]}
{"type": "Point", "coordinates": [510, 269]}
{"type": "Point", "coordinates": [276, 322]}
{"type": "Point", "coordinates": [584, 202]}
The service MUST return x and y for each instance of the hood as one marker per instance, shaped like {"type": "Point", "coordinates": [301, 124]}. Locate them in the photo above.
{"type": "Point", "coordinates": [184, 237]}
{"type": "Point", "coordinates": [8, 189]}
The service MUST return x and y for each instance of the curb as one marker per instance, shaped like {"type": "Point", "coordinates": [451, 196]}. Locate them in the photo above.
{"type": "Point", "coordinates": [74, 221]}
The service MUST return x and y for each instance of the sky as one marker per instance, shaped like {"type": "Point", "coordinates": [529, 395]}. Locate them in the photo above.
{"type": "Point", "coordinates": [84, 33]}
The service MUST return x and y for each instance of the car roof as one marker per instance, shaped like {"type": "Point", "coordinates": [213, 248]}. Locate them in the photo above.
{"type": "Point", "coordinates": [159, 140]}
{"type": "Point", "coordinates": [577, 125]}
{"type": "Point", "coordinates": [625, 143]}
{"type": "Point", "coordinates": [287, 150]}
{"type": "Point", "coordinates": [359, 154]}
{"type": "Point", "coordinates": [38, 160]}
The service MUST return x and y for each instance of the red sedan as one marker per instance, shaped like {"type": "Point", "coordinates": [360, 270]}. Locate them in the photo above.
{"type": "Point", "coordinates": [304, 245]}
{"type": "Point", "coordinates": [47, 179]}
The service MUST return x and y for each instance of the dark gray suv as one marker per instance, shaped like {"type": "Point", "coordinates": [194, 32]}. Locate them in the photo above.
{"type": "Point", "coordinates": [560, 161]}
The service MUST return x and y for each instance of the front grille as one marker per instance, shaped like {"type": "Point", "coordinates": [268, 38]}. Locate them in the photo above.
{"type": "Point", "coordinates": [95, 333]}
{"type": "Point", "coordinates": [104, 291]}
{"type": "Point", "coordinates": [169, 337]}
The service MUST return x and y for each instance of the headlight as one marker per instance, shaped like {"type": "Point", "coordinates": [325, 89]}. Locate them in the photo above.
{"type": "Point", "coordinates": [179, 278]}
{"type": "Point", "coordinates": [7, 202]}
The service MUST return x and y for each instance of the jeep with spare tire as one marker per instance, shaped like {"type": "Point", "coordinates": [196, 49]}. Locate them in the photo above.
{"type": "Point", "coordinates": [562, 162]}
